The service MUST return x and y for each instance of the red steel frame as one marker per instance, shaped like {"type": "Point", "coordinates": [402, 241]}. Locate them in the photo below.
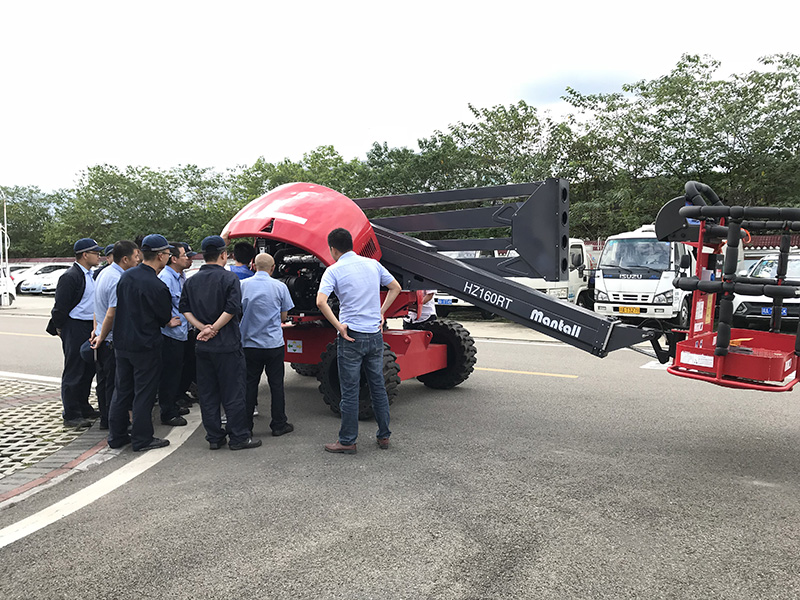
{"type": "Point", "coordinates": [754, 358]}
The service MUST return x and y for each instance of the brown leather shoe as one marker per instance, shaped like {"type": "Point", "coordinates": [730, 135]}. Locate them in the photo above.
{"type": "Point", "coordinates": [340, 448]}
{"type": "Point", "coordinates": [383, 443]}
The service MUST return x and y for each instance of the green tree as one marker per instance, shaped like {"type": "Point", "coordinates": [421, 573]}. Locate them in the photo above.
{"type": "Point", "coordinates": [31, 215]}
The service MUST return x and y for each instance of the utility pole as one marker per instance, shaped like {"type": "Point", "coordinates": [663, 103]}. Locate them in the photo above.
{"type": "Point", "coordinates": [5, 276]}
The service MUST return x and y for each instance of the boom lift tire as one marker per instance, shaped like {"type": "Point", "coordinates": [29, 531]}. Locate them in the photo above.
{"type": "Point", "coordinates": [305, 370]}
{"type": "Point", "coordinates": [460, 354]}
{"type": "Point", "coordinates": [328, 377]}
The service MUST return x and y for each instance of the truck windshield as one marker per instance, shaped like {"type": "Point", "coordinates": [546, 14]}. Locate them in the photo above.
{"type": "Point", "coordinates": [633, 252]}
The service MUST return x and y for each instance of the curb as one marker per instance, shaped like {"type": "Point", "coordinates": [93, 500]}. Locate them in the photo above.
{"type": "Point", "coordinates": [52, 475]}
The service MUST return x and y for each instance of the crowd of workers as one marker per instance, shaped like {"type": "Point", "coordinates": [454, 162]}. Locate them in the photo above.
{"type": "Point", "coordinates": [147, 332]}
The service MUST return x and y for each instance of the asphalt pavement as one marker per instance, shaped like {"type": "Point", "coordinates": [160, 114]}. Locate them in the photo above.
{"type": "Point", "coordinates": [549, 473]}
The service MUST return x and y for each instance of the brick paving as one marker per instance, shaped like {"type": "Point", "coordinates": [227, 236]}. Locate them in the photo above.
{"type": "Point", "coordinates": [35, 447]}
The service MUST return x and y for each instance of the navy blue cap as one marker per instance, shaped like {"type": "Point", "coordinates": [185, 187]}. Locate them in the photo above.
{"type": "Point", "coordinates": [155, 243]}
{"type": "Point", "coordinates": [189, 252]}
{"type": "Point", "coordinates": [214, 242]}
{"type": "Point", "coordinates": [86, 245]}
{"type": "Point", "coordinates": [109, 249]}
{"type": "Point", "coordinates": [87, 353]}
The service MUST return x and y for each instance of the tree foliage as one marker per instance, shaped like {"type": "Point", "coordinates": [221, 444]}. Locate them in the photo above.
{"type": "Point", "coordinates": [624, 153]}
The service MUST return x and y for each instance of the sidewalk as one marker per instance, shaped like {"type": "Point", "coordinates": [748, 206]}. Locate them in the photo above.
{"type": "Point", "coordinates": [35, 447]}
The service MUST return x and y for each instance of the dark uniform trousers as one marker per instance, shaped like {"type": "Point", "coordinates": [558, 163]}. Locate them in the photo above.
{"type": "Point", "coordinates": [106, 369]}
{"type": "Point", "coordinates": [269, 361]}
{"type": "Point", "coordinates": [136, 384]}
{"type": "Point", "coordinates": [172, 355]}
{"type": "Point", "coordinates": [76, 380]}
{"type": "Point", "coordinates": [220, 381]}
{"type": "Point", "coordinates": [189, 375]}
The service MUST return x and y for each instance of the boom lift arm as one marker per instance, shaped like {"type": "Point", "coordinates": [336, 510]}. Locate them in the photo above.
{"type": "Point", "coordinates": [539, 234]}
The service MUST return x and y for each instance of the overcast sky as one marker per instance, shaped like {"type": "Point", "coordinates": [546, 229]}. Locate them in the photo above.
{"type": "Point", "coordinates": [219, 84]}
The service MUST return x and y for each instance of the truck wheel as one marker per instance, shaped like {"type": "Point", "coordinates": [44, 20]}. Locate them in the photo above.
{"type": "Point", "coordinates": [585, 301]}
{"type": "Point", "coordinates": [328, 376]}
{"type": "Point", "coordinates": [684, 317]}
{"type": "Point", "coordinates": [305, 370]}
{"type": "Point", "coordinates": [460, 354]}
{"type": "Point", "coordinates": [442, 311]}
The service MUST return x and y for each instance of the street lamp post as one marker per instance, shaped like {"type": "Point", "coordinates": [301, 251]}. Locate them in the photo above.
{"type": "Point", "coordinates": [5, 295]}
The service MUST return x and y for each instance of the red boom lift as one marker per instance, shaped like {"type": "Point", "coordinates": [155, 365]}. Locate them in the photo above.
{"type": "Point", "coordinates": [292, 222]}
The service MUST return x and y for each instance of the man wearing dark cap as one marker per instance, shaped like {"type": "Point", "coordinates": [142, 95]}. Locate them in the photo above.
{"type": "Point", "coordinates": [126, 256]}
{"type": "Point", "coordinates": [71, 319]}
{"type": "Point", "coordinates": [143, 308]}
{"type": "Point", "coordinates": [175, 335]}
{"type": "Point", "coordinates": [108, 251]}
{"type": "Point", "coordinates": [211, 302]}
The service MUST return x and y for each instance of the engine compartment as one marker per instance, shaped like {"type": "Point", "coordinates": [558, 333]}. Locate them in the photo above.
{"type": "Point", "coordinates": [299, 270]}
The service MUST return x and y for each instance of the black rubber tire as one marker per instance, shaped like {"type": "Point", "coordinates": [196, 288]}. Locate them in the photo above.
{"type": "Point", "coordinates": [486, 315]}
{"type": "Point", "coordinates": [684, 317]}
{"type": "Point", "coordinates": [328, 377]}
{"type": "Point", "coordinates": [442, 311]}
{"type": "Point", "coordinates": [305, 370]}
{"type": "Point", "coordinates": [461, 353]}
{"type": "Point", "coordinates": [585, 301]}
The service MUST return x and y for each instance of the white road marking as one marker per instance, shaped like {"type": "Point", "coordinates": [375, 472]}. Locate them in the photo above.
{"type": "Point", "coordinates": [655, 365]}
{"type": "Point", "coordinates": [26, 377]}
{"type": "Point", "coordinates": [98, 489]}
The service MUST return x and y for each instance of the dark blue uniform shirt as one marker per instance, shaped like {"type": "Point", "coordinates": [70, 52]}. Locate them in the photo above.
{"type": "Point", "coordinates": [210, 292]}
{"type": "Point", "coordinates": [144, 306]}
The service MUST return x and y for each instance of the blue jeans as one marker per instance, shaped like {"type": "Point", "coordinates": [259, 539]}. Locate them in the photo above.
{"type": "Point", "coordinates": [367, 352]}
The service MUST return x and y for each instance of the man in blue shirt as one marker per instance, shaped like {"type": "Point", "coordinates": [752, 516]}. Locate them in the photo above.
{"type": "Point", "coordinates": [143, 307]}
{"type": "Point", "coordinates": [265, 305]}
{"type": "Point", "coordinates": [125, 255]}
{"type": "Point", "coordinates": [71, 320]}
{"type": "Point", "coordinates": [211, 302]}
{"type": "Point", "coordinates": [175, 336]}
{"type": "Point", "coordinates": [357, 281]}
{"type": "Point", "coordinates": [243, 254]}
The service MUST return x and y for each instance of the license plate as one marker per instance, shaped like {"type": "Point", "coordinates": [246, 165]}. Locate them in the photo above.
{"type": "Point", "coordinates": [629, 310]}
{"type": "Point", "coordinates": [444, 301]}
{"type": "Point", "coordinates": [767, 311]}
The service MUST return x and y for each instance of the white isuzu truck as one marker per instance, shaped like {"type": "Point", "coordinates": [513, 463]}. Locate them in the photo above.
{"type": "Point", "coordinates": [634, 278]}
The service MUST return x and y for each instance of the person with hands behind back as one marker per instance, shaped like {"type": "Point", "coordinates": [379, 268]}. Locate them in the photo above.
{"type": "Point", "coordinates": [212, 301]}
{"type": "Point", "coordinates": [357, 281]}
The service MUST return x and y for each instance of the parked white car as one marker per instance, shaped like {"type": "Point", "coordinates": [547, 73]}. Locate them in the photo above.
{"type": "Point", "coordinates": [32, 283]}
{"type": "Point", "coordinates": [748, 310]}
{"type": "Point", "coordinates": [50, 281]}
{"type": "Point", "coordinates": [7, 286]}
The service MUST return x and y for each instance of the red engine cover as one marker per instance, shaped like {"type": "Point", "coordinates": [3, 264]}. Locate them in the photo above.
{"type": "Point", "coordinates": [303, 214]}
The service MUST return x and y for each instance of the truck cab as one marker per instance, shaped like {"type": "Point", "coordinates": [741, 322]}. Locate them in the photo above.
{"type": "Point", "coordinates": [634, 278]}
{"type": "Point", "coordinates": [575, 288]}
